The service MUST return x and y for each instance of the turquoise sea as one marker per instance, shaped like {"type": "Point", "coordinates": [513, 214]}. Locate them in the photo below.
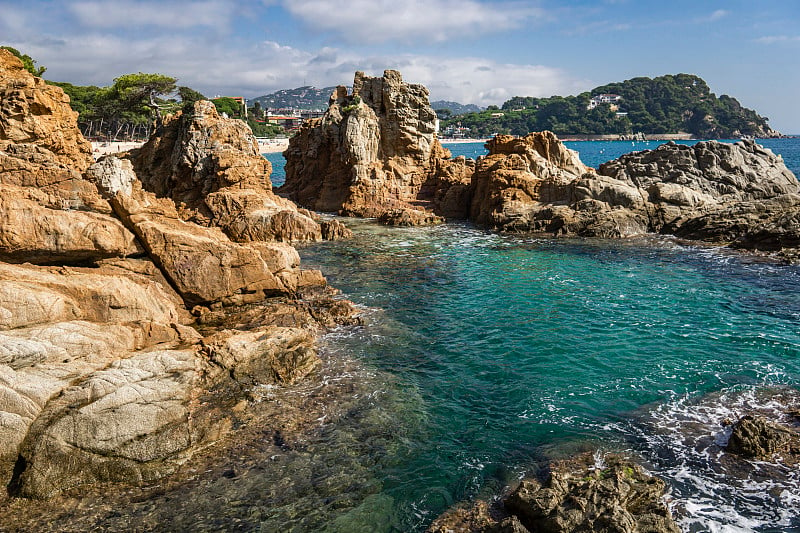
{"type": "Point", "coordinates": [482, 355]}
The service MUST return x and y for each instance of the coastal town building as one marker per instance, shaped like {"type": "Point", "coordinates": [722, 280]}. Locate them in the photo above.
{"type": "Point", "coordinates": [612, 99]}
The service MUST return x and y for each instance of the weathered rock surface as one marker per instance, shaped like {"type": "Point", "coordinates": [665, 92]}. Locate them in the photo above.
{"type": "Point", "coordinates": [576, 495]}
{"type": "Point", "coordinates": [268, 355]}
{"type": "Point", "coordinates": [48, 212]}
{"type": "Point", "coordinates": [374, 150]}
{"type": "Point", "coordinates": [102, 376]}
{"type": "Point", "coordinates": [754, 437]}
{"type": "Point", "coordinates": [37, 234]}
{"type": "Point", "coordinates": [739, 194]}
{"type": "Point", "coordinates": [131, 421]}
{"type": "Point", "coordinates": [33, 112]}
{"type": "Point", "coordinates": [211, 168]}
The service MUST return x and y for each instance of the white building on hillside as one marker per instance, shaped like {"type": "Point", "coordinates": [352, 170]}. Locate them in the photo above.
{"type": "Point", "coordinates": [612, 99]}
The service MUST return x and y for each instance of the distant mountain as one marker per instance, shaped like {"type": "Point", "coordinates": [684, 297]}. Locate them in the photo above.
{"type": "Point", "coordinates": [311, 98]}
{"type": "Point", "coordinates": [455, 107]}
{"type": "Point", "coordinates": [302, 98]}
{"type": "Point", "coordinates": [681, 103]}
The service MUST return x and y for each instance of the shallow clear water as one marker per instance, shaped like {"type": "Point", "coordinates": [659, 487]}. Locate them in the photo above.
{"type": "Point", "coordinates": [523, 348]}
{"type": "Point", "coordinates": [517, 349]}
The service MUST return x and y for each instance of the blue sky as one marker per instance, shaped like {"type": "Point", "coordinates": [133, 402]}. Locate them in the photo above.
{"type": "Point", "coordinates": [471, 51]}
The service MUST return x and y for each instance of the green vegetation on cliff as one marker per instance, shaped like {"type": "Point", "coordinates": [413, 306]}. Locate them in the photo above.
{"type": "Point", "coordinates": [666, 104]}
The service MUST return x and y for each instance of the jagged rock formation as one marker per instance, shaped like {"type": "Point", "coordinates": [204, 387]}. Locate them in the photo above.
{"type": "Point", "coordinates": [211, 168]}
{"type": "Point", "coordinates": [375, 150]}
{"type": "Point", "coordinates": [48, 213]}
{"type": "Point", "coordinates": [739, 194]}
{"type": "Point", "coordinates": [104, 375]}
{"type": "Point", "coordinates": [576, 495]}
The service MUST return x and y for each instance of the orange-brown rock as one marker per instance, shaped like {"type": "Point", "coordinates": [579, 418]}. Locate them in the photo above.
{"type": "Point", "coordinates": [211, 168]}
{"type": "Point", "coordinates": [33, 112]}
{"type": "Point", "coordinates": [37, 234]}
{"type": "Point", "coordinates": [373, 151]}
{"type": "Point", "coordinates": [48, 212]}
{"type": "Point", "coordinates": [201, 262]}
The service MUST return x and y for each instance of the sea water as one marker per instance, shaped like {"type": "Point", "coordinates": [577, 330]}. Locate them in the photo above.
{"type": "Point", "coordinates": [510, 350]}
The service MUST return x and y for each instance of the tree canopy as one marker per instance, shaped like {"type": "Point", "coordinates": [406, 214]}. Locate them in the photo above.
{"type": "Point", "coordinates": [666, 104]}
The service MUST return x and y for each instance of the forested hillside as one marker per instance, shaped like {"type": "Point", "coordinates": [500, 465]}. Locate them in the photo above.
{"type": "Point", "coordinates": [666, 104]}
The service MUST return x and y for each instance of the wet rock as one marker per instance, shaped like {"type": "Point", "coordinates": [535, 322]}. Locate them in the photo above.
{"type": "Point", "coordinates": [757, 438]}
{"type": "Point", "coordinates": [269, 355]}
{"type": "Point", "coordinates": [409, 217]}
{"type": "Point", "coordinates": [334, 230]}
{"type": "Point", "coordinates": [620, 496]}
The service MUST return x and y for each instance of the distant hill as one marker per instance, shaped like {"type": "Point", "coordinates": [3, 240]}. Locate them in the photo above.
{"type": "Point", "coordinates": [456, 108]}
{"type": "Point", "coordinates": [303, 98]}
{"type": "Point", "coordinates": [681, 103]}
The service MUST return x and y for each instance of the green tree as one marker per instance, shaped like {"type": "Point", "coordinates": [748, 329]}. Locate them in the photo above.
{"type": "Point", "coordinates": [189, 96]}
{"type": "Point", "coordinates": [227, 105]}
{"type": "Point", "coordinates": [138, 92]}
{"type": "Point", "coordinates": [28, 62]}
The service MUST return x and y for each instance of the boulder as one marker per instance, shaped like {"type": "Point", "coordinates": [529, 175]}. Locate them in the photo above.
{"type": "Point", "coordinates": [373, 151]}
{"type": "Point", "coordinates": [203, 265]}
{"type": "Point", "coordinates": [37, 234]}
{"type": "Point", "coordinates": [211, 168]}
{"type": "Point", "coordinates": [59, 325]}
{"type": "Point", "coordinates": [132, 422]}
{"type": "Point", "coordinates": [754, 437]}
{"type": "Point", "coordinates": [333, 230]}
{"type": "Point", "coordinates": [268, 355]}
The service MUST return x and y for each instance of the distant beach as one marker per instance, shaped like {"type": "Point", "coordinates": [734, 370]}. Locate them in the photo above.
{"type": "Point", "coordinates": [105, 148]}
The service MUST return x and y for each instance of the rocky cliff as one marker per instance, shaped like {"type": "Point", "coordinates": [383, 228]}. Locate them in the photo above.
{"type": "Point", "coordinates": [123, 290]}
{"type": "Point", "coordinates": [374, 152]}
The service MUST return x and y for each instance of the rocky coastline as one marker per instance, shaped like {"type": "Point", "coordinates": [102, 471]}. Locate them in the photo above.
{"type": "Point", "coordinates": [374, 154]}
{"type": "Point", "coordinates": [139, 288]}
{"type": "Point", "coordinates": [147, 296]}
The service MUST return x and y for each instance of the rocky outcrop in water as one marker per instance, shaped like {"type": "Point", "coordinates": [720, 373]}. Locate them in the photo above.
{"type": "Point", "coordinates": [576, 495]}
{"type": "Point", "coordinates": [739, 194]}
{"type": "Point", "coordinates": [754, 437]}
{"type": "Point", "coordinates": [125, 325]}
{"type": "Point", "coordinates": [374, 152]}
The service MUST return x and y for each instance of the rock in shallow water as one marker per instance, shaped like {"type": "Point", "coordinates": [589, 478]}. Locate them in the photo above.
{"type": "Point", "coordinates": [579, 494]}
{"type": "Point", "coordinates": [755, 437]}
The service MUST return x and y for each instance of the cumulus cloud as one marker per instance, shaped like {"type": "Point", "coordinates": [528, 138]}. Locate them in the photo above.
{"type": "Point", "coordinates": [181, 14]}
{"type": "Point", "coordinates": [373, 21]}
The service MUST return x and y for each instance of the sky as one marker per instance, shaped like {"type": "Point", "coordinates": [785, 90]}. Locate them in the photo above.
{"type": "Point", "coordinates": [470, 51]}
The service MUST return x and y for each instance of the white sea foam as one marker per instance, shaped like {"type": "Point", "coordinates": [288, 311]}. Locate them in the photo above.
{"type": "Point", "coordinates": [712, 491]}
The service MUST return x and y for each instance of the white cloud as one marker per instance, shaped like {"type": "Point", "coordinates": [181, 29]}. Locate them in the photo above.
{"type": "Point", "coordinates": [214, 68]}
{"type": "Point", "coordinates": [372, 21]}
{"type": "Point", "coordinates": [772, 39]}
{"type": "Point", "coordinates": [184, 14]}
{"type": "Point", "coordinates": [718, 14]}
